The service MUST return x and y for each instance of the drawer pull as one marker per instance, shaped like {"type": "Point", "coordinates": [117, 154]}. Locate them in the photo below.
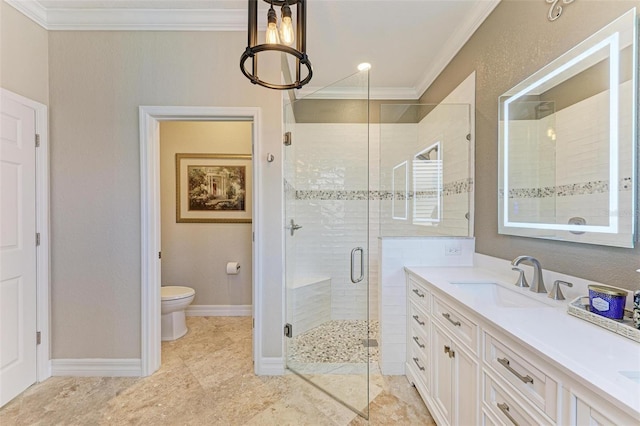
{"type": "Point", "coordinates": [505, 410]}
{"type": "Point", "coordinates": [505, 363]}
{"type": "Point", "coordinates": [415, 290]}
{"type": "Point", "coordinates": [418, 342]}
{"type": "Point", "coordinates": [417, 318]}
{"type": "Point", "coordinates": [418, 364]}
{"type": "Point", "coordinates": [448, 317]}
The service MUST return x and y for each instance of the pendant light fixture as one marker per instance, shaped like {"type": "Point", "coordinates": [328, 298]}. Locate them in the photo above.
{"type": "Point", "coordinates": [278, 39]}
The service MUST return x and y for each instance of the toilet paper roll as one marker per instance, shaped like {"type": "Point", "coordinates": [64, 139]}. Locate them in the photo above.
{"type": "Point", "coordinates": [233, 268]}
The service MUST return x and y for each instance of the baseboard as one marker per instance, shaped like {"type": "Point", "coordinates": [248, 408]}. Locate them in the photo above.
{"type": "Point", "coordinates": [392, 368]}
{"type": "Point", "coordinates": [89, 367]}
{"type": "Point", "coordinates": [270, 366]}
{"type": "Point", "coordinates": [219, 310]}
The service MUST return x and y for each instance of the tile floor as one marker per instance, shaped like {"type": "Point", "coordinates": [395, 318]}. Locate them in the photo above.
{"type": "Point", "coordinates": [207, 378]}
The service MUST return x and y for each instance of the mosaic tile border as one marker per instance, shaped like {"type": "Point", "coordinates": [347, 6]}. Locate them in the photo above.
{"type": "Point", "coordinates": [462, 186]}
{"type": "Point", "coordinates": [585, 188]}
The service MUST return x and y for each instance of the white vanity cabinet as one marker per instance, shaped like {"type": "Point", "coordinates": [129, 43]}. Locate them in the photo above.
{"type": "Point", "coordinates": [419, 335]}
{"type": "Point", "coordinates": [470, 371]}
{"type": "Point", "coordinates": [584, 407]}
{"type": "Point", "coordinates": [440, 360]}
{"type": "Point", "coordinates": [455, 381]}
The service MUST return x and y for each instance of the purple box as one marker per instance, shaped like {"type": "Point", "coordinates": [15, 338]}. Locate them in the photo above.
{"type": "Point", "coordinates": [607, 301]}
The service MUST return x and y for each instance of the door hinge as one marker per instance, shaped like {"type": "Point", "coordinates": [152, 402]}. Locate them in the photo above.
{"type": "Point", "coordinates": [159, 255]}
{"type": "Point", "coordinates": [287, 138]}
{"type": "Point", "coordinates": [288, 330]}
{"type": "Point", "coordinates": [37, 238]}
{"type": "Point", "coordinates": [38, 337]}
{"type": "Point", "coordinates": [469, 136]}
{"type": "Point", "coordinates": [253, 323]}
{"type": "Point", "coordinates": [37, 140]}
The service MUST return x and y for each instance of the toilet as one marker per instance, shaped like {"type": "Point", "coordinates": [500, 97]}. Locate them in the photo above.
{"type": "Point", "coordinates": [175, 300]}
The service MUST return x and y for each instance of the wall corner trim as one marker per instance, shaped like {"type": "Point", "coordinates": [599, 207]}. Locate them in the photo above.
{"type": "Point", "coordinates": [97, 367]}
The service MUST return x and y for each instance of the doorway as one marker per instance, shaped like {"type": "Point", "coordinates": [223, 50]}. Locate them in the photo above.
{"type": "Point", "coordinates": [150, 118]}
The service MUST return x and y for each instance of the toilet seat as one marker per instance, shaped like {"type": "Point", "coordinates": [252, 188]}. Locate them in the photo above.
{"type": "Point", "coordinates": [171, 292]}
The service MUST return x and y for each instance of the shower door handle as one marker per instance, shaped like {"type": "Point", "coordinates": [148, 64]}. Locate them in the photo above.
{"type": "Point", "coordinates": [353, 255]}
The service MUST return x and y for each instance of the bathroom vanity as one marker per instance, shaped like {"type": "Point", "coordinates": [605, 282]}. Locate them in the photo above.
{"type": "Point", "coordinates": [482, 351]}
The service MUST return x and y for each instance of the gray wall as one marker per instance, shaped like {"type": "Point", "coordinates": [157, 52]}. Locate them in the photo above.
{"type": "Point", "coordinates": [195, 254]}
{"type": "Point", "coordinates": [98, 80]}
{"type": "Point", "coordinates": [515, 41]}
{"type": "Point", "coordinates": [24, 66]}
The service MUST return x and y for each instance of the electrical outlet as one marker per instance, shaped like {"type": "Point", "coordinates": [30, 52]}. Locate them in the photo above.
{"type": "Point", "coordinates": [452, 249]}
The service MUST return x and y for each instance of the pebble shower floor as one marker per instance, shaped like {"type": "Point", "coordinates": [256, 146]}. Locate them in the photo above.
{"type": "Point", "coordinates": [336, 341]}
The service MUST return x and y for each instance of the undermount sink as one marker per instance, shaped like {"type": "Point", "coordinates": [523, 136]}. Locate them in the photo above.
{"type": "Point", "coordinates": [491, 293]}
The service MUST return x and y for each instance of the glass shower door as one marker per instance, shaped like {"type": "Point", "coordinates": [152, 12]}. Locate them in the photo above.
{"type": "Point", "coordinates": [326, 186]}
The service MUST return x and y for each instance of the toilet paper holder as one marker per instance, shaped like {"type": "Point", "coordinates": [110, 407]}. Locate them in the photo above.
{"type": "Point", "coordinates": [233, 268]}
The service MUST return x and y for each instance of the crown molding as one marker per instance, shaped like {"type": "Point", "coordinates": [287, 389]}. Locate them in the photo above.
{"type": "Point", "coordinates": [32, 9]}
{"type": "Point", "coordinates": [133, 19]}
{"type": "Point", "coordinates": [480, 11]}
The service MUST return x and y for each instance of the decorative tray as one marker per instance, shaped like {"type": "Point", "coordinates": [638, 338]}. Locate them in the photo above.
{"type": "Point", "coordinates": [580, 308]}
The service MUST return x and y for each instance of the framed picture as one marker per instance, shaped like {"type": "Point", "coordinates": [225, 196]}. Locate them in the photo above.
{"type": "Point", "coordinates": [213, 188]}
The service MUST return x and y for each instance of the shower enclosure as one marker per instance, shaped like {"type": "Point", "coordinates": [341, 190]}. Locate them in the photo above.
{"type": "Point", "coordinates": [326, 185]}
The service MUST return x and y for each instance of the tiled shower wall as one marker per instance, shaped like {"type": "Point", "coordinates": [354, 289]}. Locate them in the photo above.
{"type": "Point", "coordinates": [576, 183]}
{"type": "Point", "coordinates": [327, 192]}
{"type": "Point", "coordinates": [449, 125]}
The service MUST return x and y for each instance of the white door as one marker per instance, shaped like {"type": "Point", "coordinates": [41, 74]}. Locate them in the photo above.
{"type": "Point", "coordinates": [17, 248]}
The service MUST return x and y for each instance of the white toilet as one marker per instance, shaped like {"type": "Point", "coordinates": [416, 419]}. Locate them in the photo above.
{"type": "Point", "coordinates": [175, 300]}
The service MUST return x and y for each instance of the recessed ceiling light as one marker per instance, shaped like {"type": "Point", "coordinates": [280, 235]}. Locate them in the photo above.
{"type": "Point", "coordinates": [364, 66]}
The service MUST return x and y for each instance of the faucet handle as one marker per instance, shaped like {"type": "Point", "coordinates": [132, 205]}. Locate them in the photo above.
{"type": "Point", "coordinates": [556, 293]}
{"type": "Point", "coordinates": [521, 281]}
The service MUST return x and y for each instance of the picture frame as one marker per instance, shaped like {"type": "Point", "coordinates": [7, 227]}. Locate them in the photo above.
{"type": "Point", "coordinates": [213, 188]}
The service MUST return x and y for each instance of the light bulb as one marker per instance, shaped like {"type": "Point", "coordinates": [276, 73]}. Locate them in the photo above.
{"type": "Point", "coordinates": [272, 28]}
{"type": "Point", "coordinates": [286, 31]}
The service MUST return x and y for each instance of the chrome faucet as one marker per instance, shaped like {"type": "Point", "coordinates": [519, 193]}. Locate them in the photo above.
{"type": "Point", "coordinates": [537, 284]}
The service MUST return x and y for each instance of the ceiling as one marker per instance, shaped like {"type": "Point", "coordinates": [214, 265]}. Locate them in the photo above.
{"type": "Point", "coordinates": [407, 42]}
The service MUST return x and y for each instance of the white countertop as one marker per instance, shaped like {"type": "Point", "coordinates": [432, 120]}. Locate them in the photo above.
{"type": "Point", "coordinates": [594, 355]}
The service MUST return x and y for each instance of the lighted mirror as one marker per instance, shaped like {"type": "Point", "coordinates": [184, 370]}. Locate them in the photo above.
{"type": "Point", "coordinates": [568, 144]}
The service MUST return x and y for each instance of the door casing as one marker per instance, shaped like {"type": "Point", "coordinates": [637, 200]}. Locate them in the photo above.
{"type": "Point", "coordinates": [150, 117]}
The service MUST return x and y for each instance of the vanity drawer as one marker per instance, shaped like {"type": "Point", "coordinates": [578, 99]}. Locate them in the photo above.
{"type": "Point", "coordinates": [537, 387]}
{"type": "Point", "coordinates": [458, 324]}
{"type": "Point", "coordinates": [419, 364]}
{"type": "Point", "coordinates": [418, 336]}
{"type": "Point", "coordinates": [419, 294]}
{"type": "Point", "coordinates": [507, 409]}
{"type": "Point", "coordinates": [418, 319]}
